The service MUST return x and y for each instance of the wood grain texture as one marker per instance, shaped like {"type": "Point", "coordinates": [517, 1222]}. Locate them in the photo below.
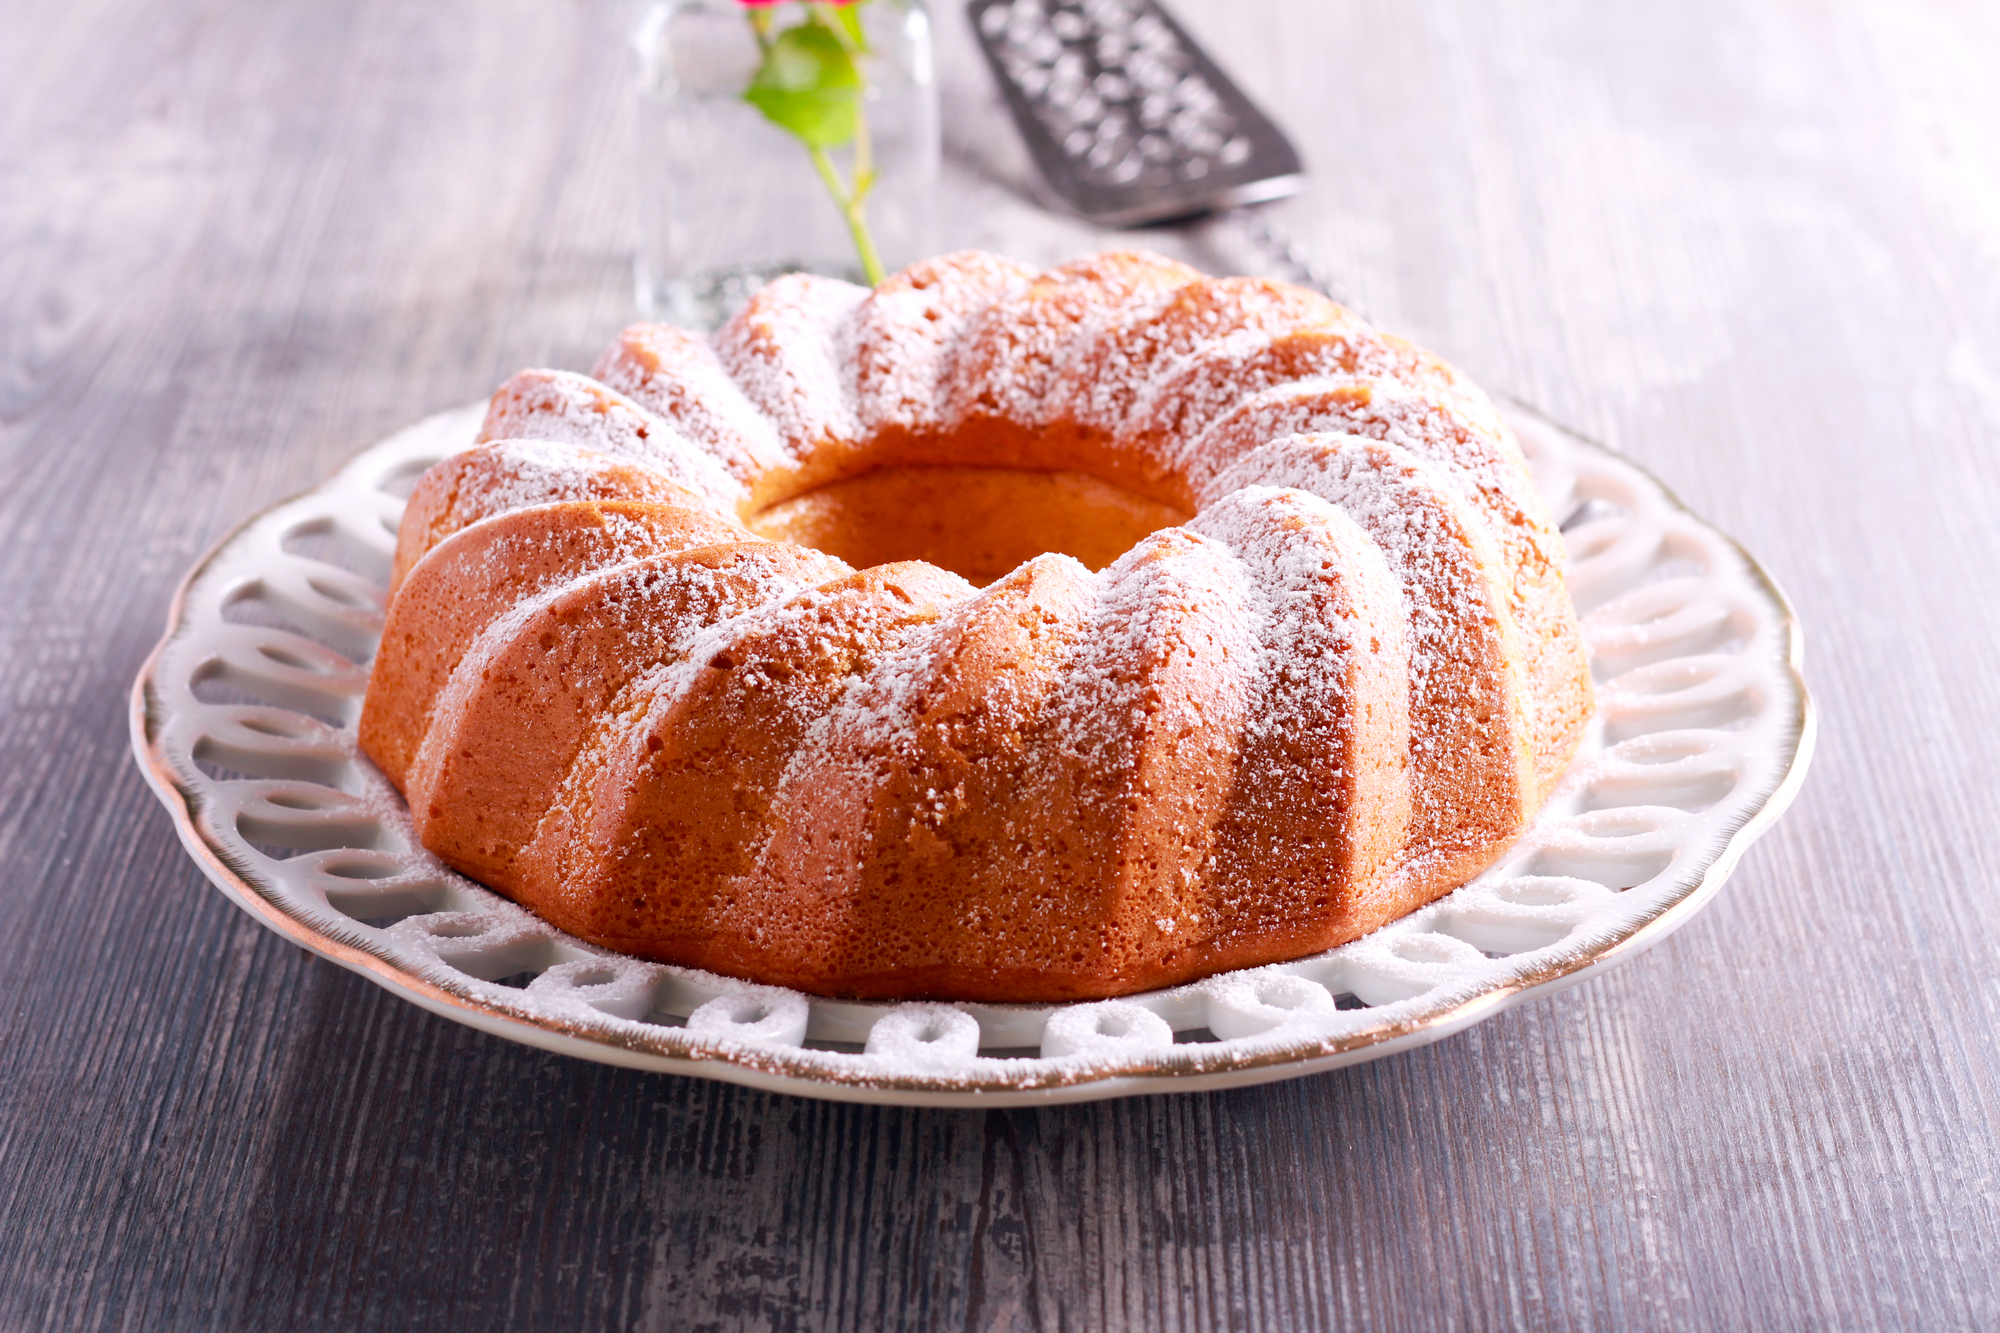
{"type": "Point", "coordinates": [1757, 247]}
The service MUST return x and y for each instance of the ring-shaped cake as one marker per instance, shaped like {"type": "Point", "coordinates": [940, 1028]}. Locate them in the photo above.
{"type": "Point", "coordinates": [986, 636]}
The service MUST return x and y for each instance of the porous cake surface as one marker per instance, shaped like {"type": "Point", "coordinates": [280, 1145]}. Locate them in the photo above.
{"type": "Point", "coordinates": [991, 635]}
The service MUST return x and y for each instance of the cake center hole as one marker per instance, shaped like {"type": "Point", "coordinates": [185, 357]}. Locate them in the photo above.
{"type": "Point", "coordinates": [981, 523]}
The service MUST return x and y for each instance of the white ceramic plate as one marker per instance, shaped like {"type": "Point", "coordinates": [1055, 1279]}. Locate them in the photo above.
{"type": "Point", "coordinates": [243, 721]}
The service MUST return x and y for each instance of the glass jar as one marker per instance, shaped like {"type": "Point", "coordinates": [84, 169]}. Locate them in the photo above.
{"type": "Point", "coordinates": [730, 199]}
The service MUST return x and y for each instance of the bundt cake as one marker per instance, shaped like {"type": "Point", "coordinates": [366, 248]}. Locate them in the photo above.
{"type": "Point", "coordinates": [986, 636]}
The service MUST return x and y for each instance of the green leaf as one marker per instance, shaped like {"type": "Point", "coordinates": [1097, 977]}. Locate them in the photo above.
{"type": "Point", "coordinates": [809, 84]}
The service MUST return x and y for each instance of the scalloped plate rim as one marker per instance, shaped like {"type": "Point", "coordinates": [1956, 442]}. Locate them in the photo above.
{"type": "Point", "coordinates": [739, 1064]}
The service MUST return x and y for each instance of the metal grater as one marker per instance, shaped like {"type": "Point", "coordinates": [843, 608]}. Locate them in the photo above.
{"type": "Point", "coordinates": [1128, 120]}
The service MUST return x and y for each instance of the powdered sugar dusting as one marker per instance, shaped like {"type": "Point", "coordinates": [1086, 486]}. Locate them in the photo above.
{"type": "Point", "coordinates": [677, 374]}
{"type": "Point", "coordinates": [532, 472]}
{"type": "Point", "coordinates": [1482, 467]}
{"type": "Point", "coordinates": [1006, 365]}
{"type": "Point", "coordinates": [903, 332]}
{"type": "Point", "coordinates": [505, 475]}
{"type": "Point", "coordinates": [1102, 382]}
{"type": "Point", "coordinates": [1439, 552]}
{"type": "Point", "coordinates": [1325, 800]}
{"type": "Point", "coordinates": [1174, 596]}
{"type": "Point", "coordinates": [566, 408]}
{"type": "Point", "coordinates": [1287, 544]}
{"type": "Point", "coordinates": [1469, 732]}
{"type": "Point", "coordinates": [787, 352]}
{"type": "Point", "coordinates": [1135, 767]}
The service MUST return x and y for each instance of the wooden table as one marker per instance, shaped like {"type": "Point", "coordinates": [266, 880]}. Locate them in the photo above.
{"type": "Point", "coordinates": [1757, 247]}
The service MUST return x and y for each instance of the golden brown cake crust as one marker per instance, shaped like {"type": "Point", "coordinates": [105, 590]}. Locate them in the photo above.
{"type": "Point", "coordinates": [483, 572]}
{"type": "Point", "coordinates": [1298, 658]}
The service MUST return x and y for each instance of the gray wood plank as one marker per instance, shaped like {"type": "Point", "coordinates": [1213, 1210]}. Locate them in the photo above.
{"type": "Point", "coordinates": [1757, 248]}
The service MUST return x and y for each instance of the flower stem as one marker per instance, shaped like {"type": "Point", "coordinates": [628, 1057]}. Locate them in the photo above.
{"type": "Point", "coordinates": [851, 203]}
{"type": "Point", "coordinates": [805, 68]}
